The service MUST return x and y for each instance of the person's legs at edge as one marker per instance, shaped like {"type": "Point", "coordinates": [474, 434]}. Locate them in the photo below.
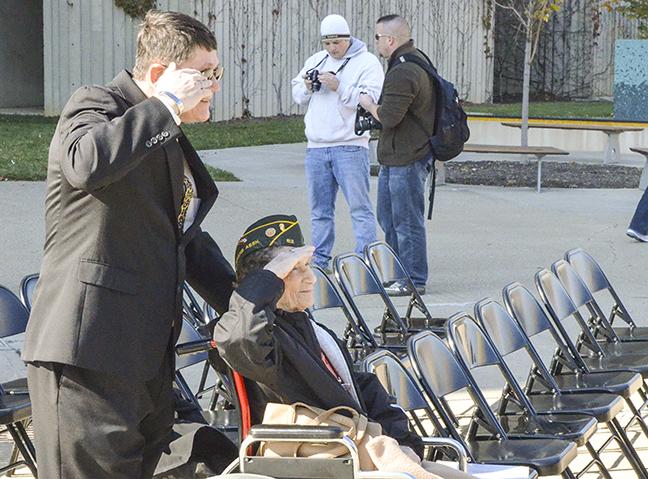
{"type": "Point", "coordinates": [91, 424]}
{"type": "Point", "coordinates": [322, 189]}
{"type": "Point", "coordinates": [384, 209]}
{"type": "Point", "coordinates": [351, 170]}
{"type": "Point", "coordinates": [407, 190]}
{"type": "Point", "coordinates": [638, 228]}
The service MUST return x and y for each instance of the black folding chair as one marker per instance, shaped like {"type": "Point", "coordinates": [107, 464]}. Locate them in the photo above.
{"type": "Point", "coordinates": [592, 274]}
{"type": "Point", "coordinates": [566, 316]}
{"type": "Point", "coordinates": [27, 287]}
{"type": "Point", "coordinates": [356, 279]}
{"type": "Point", "coordinates": [326, 297]}
{"type": "Point", "coordinates": [529, 416]}
{"type": "Point", "coordinates": [541, 387]}
{"type": "Point", "coordinates": [398, 382]}
{"type": "Point", "coordinates": [597, 320]}
{"type": "Point", "coordinates": [15, 409]}
{"type": "Point", "coordinates": [192, 307]}
{"type": "Point", "coordinates": [572, 371]}
{"type": "Point", "coordinates": [387, 267]}
{"type": "Point", "coordinates": [440, 375]}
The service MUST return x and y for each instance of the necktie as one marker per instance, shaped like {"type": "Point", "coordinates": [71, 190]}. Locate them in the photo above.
{"type": "Point", "coordinates": [187, 195]}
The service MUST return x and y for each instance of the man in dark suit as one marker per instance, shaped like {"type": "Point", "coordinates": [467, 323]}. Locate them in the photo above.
{"type": "Point", "coordinates": [126, 196]}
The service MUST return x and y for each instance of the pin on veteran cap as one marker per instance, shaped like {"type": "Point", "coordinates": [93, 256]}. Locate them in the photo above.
{"type": "Point", "coordinates": [274, 230]}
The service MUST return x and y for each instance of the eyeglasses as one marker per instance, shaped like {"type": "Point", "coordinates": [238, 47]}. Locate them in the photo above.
{"type": "Point", "coordinates": [213, 74]}
{"type": "Point", "coordinates": [378, 35]}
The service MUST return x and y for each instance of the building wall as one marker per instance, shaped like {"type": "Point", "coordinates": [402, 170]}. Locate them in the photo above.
{"type": "Point", "coordinates": [21, 53]}
{"type": "Point", "coordinates": [575, 56]}
{"type": "Point", "coordinates": [262, 44]}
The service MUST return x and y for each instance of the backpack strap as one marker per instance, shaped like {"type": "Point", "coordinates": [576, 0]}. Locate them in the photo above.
{"type": "Point", "coordinates": [432, 74]}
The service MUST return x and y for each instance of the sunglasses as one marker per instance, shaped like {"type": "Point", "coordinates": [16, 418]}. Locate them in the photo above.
{"type": "Point", "coordinates": [378, 35]}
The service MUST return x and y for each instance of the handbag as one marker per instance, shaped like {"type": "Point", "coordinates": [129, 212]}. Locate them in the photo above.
{"type": "Point", "coordinates": [355, 425]}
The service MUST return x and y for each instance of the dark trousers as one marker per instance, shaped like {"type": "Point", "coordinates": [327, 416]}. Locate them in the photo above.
{"type": "Point", "coordinates": [89, 424]}
{"type": "Point", "coordinates": [639, 221]}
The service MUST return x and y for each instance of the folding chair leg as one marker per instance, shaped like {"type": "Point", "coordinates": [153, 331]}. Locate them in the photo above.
{"type": "Point", "coordinates": [567, 474]}
{"type": "Point", "coordinates": [24, 445]}
{"type": "Point", "coordinates": [596, 459]}
{"type": "Point", "coordinates": [628, 449]}
{"type": "Point", "coordinates": [636, 416]}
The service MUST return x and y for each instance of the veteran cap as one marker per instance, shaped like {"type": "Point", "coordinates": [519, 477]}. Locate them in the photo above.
{"type": "Point", "coordinates": [274, 230]}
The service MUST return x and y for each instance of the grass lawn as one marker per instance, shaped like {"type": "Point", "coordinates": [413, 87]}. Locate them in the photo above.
{"type": "Point", "coordinates": [557, 109]}
{"type": "Point", "coordinates": [24, 141]}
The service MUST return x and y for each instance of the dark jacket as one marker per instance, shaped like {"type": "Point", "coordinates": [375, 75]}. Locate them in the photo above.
{"type": "Point", "coordinates": [110, 287]}
{"type": "Point", "coordinates": [278, 353]}
{"type": "Point", "coordinates": [406, 110]}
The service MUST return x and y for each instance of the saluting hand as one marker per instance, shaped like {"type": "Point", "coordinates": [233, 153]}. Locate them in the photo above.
{"type": "Point", "coordinates": [286, 261]}
{"type": "Point", "coordinates": [185, 83]}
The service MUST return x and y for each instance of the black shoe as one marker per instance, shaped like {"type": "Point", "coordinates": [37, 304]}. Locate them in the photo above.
{"type": "Point", "coordinates": [638, 236]}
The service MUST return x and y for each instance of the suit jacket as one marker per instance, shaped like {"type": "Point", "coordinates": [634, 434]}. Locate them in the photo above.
{"type": "Point", "coordinates": [114, 262]}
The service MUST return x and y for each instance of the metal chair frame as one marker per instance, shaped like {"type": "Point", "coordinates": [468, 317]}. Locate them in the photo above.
{"type": "Point", "coordinates": [592, 274]}
{"type": "Point", "coordinates": [355, 279]}
{"type": "Point", "coordinates": [387, 267]}
{"type": "Point", "coordinates": [326, 296]}
{"type": "Point", "coordinates": [451, 377]}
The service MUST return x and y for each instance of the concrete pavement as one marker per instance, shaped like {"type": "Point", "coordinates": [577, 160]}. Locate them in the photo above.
{"type": "Point", "coordinates": [480, 238]}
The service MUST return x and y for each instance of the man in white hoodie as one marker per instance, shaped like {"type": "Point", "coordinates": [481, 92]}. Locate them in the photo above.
{"type": "Point", "coordinates": [336, 156]}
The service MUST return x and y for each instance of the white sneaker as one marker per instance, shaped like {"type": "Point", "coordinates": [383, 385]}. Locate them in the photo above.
{"type": "Point", "coordinates": [638, 236]}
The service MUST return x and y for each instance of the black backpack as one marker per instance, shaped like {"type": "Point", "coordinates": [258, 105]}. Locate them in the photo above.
{"type": "Point", "coordinates": [451, 122]}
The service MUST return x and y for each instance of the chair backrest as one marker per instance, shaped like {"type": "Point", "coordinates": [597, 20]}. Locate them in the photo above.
{"type": "Point", "coordinates": [590, 271]}
{"type": "Point", "coordinates": [13, 314]}
{"type": "Point", "coordinates": [467, 338]}
{"type": "Point", "coordinates": [563, 310]}
{"type": "Point", "coordinates": [356, 279]}
{"type": "Point", "coordinates": [326, 296]}
{"type": "Point", "coordinates": [500, 326]}
{"type": "Point", "coordinates": [508, 337]}
{"type": "Point", "coordinates": [385, 263]}
{"type": "Point", "coordinates": [474, 349]}
{"type": "Point", "coordinates": [440, 374]}
{"type": "Point", "coordinates": [27, 288]}
{"type": "Point", "coordinates": [387, 267]}
{"type": "Point", "coordinates": [554, 295]}
{"type": "Point", "coordinates": [395, 379]}
{"type": "Point", "coordinates": [573, 284]}
{"type": "Point", "coordinates": [532, 319]}
{"type": "Point", "coordinates": [526, 309]}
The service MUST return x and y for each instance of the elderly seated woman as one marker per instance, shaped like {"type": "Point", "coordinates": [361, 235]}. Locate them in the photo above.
{"type": "Point", "coordinates": [286, 357]}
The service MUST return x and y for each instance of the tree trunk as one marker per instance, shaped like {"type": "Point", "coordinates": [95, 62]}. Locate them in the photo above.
{"type": "Point", "coordinates": [524, 138]}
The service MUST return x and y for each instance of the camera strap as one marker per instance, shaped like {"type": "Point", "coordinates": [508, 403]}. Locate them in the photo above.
{"type": "Point", "coordinates": [323, 60]}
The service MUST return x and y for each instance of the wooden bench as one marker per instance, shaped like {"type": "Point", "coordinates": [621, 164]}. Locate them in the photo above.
{"type": "Point", "coordinates": [612, 152]}
{"type": "Point", "coordinates": [643, 182]}
{"type": "Point", "coordinates": [538, 151]}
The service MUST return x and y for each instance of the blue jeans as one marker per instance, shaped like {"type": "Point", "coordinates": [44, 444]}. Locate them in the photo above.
{"type": "Point", "coordinates": [401, 214]}
{"type": "Point", "coordinates": [348, 168]}
{"type": "Point", "coordinates": [639, 221]}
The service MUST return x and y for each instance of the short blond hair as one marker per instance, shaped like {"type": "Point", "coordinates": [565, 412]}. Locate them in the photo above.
{"type": "Point", "coordinates": [167, 37]}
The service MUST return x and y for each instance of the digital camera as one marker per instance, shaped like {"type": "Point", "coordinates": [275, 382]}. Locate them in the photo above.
{"type": "Point", "coordinates": [364, 121]}
{"type": "Point", "coordinates": [312, 75]}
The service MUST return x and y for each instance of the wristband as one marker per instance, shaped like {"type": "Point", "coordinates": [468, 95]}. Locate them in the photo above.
{"type": "Point", "coordinates": [176, 101]}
